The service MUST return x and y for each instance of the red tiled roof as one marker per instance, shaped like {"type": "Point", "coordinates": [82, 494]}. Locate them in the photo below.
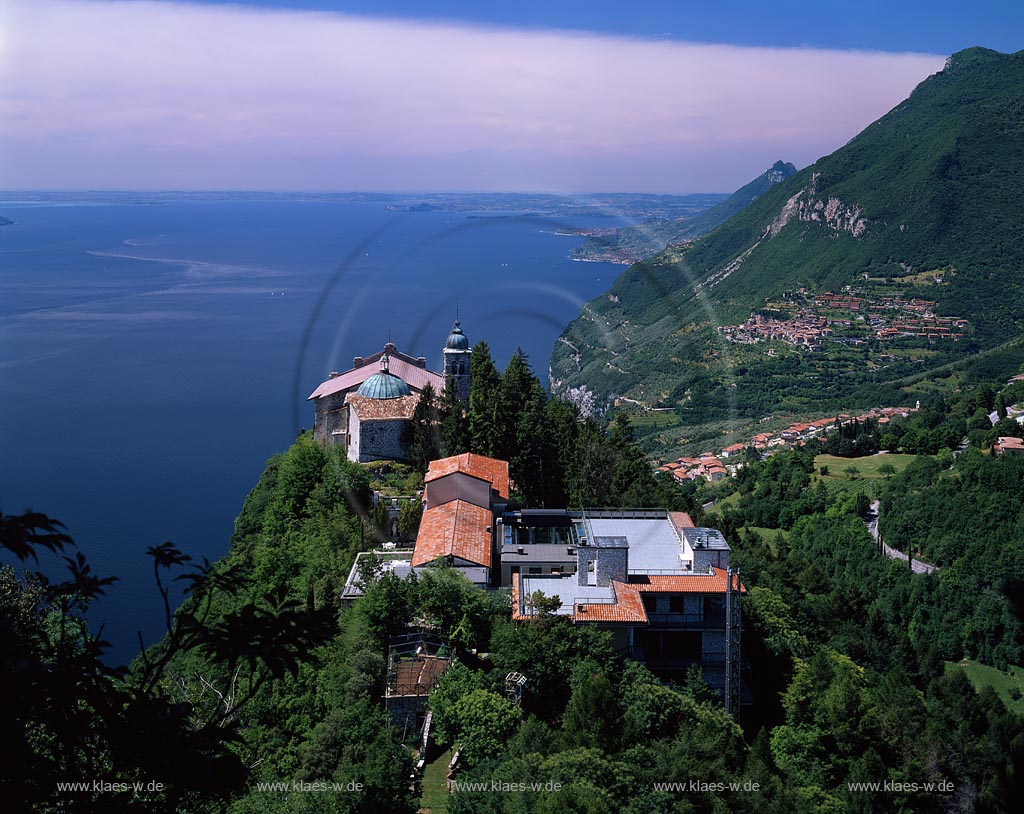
{"type": "Point", "coordinates": [715, 583]}
{"type": "Point", "coordinates": [491, 470]}
{"type": "Point", "coordinates": [516, 615]}
{"type": "Point", "coordinates": [456, 528]}
{"type": "Point", "coordinates": [628, 607]}
{"type": "Point", "coordinates": [402, 366]}
{"type": "Point", "coordinates": [681, 520]}
{"type": "Point", "coordinates": [369, 409]}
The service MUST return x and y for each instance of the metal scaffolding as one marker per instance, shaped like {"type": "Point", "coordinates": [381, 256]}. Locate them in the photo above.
{"type": "Point", "coordinates": [732, 643]}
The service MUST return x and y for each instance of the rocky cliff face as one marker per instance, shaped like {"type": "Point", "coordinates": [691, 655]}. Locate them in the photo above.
{"type": "Point", "coordinates": [808, 206]}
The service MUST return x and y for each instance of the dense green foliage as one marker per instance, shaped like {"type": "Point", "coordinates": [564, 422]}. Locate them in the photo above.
{"type": "Point", "coordinates": [264, 678]}
{"type": "Point", "coordinates": [934, 185]}
{"type": "Point", "coordinates": [556, 458]}
{"type": "Point", "coordinates": [126, 736]}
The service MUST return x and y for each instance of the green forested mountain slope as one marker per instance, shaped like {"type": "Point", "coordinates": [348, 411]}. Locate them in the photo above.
{"type": "Point", "coordinates": [638, 242]}
{"type": "Point", "coordinates": [926, 202]}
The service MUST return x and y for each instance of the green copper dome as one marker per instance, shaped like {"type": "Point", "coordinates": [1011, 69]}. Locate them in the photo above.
{"type": "Point", "coordinates": [384, 385]}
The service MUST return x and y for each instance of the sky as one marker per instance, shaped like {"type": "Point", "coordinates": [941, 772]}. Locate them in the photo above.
{"type": "Point", "coordinates": [396, 95]}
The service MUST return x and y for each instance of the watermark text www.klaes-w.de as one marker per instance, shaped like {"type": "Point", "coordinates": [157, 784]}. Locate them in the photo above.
{"type": "Point", "coordinates": [310, 786]}
{"type": "Point", "coordinates": [704, 786]}
{"type": "Point", "coordinates": [111, 786]}
{"type": "Point", "coordinates": [506, 787]}
{"type": "Point", "coordinates": [901, 787]}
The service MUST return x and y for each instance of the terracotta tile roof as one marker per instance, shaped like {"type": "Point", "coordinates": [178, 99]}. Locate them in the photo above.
{"type": "Point", "coordinates": [715, 583]}
{"type": "Point", "coordinates": [681, 520]}
{"type": "Point", "coordinates": [404, 367]}
{"type": "Point", "coordinates": [491, 470]}
{"type": "Point", "coordinates": [456, 528]}
{"type": "Point", "coordinates": [628, 607]}
{"type": "Point", "coordinates": [382, 409]}
{"type": "Point", "coordinates": [516, 615]}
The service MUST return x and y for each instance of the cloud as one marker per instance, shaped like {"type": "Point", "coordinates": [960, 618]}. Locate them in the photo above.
{"type": "Point", "coordinates": [152, 94]}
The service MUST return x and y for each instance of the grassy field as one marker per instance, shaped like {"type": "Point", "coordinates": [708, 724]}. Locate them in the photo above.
{"type": "Point", "coordinates": [770, 536]}
{"type": "Point", "coordinates": [655, 420]}
{"type": "Point", "coordinates": [857, 474]}
{"type": "Point", "coordinates": [434, 797]}
{"type": "Point", "coordinates": [731, 500]}
{"type": "Point", "coordinates": [867, 468]}
{"type": "Point", "coordinates": [1009, 686]}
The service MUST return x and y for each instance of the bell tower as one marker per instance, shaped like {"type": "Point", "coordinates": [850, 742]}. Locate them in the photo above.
{"type": "Point", "coordinates": [456, 362]}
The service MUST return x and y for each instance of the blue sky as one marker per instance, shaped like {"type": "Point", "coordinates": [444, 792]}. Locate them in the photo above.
{"type": "Point", "coordinates": [941, 26]}
{"type": "Point", "coordinates": [549, 96]}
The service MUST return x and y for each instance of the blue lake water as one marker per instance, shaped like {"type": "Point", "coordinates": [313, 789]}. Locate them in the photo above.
{"type": "Point", "coordinates": [152, 357]}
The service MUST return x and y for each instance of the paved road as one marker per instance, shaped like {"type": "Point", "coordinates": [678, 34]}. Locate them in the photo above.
{"type": "Point", "coordinates": [917, 566]}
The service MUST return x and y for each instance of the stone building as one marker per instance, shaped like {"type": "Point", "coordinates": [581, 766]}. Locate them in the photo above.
{"type": "Point", "coordinates": [368, 408]}
{"type": "Point", "coordinates": [378, 416]}
{"type": "Point", "coordinates": [663, 587]}
{"type": "Point", "coordinates": [456, 361]}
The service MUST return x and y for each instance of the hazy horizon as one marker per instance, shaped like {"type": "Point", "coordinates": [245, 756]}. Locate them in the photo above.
{"type": "Point", "coordinates": [194, 96]}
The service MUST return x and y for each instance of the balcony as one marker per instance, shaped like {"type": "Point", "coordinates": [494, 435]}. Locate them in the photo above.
{"type": "Point", "coordinates": [686, 621]}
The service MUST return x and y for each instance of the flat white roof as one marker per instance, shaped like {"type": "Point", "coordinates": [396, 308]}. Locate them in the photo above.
{"type": "Point", "coordinates": [653, 544]}
{"type": "Point", "coordinates": [567, 589]}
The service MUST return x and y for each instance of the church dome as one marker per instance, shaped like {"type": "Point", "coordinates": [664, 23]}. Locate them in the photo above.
{"type": "Point", "coordinates": [457, 340]}
{"type": "Point", "coordinates": [384, 385]}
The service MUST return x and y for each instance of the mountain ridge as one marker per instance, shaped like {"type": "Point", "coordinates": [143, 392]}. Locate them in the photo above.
{"type": "Point", "coordinates": [921, 204]}
{"type": "Point", "coordinates": [636, 242]}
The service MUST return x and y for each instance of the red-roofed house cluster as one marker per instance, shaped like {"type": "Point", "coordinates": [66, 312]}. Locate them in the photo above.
{"type": "Point", "coordinates": [1008, 445]}
{"type": "Point", "coordinates": [706, 466]}
{"type": "Point", "coordinates": [804, 328]}
{"type": "Point", "coordinates": [713, 468]}
{"type": "Point", "coordinates": [661, 586]}
{"type": "Point", "coordinates": [807, 320]}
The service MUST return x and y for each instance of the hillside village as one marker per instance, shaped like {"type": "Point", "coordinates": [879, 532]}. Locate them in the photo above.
{"type": "Point", "coordinates": [808, 320]}
{"type": "Point", "coordinates": [714, 467]}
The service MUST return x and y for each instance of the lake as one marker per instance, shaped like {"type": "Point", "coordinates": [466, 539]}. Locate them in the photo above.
{"type": "Point", "coordinates": [154, 355]}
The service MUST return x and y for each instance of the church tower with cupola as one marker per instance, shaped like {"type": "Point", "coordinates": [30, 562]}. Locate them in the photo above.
{"type": "Point", "coordinates": [456, 362]}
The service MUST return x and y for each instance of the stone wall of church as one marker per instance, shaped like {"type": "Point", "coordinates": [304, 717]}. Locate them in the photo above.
{"type": "Point", "coordinates": [378, 440]}
{"type": "Point", "coordinates": [330, 418]}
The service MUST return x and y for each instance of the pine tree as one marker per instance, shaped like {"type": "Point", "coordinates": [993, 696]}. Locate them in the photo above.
{"type": "Point", "coordinates": [515, 390]}
{"type": "Point", "coordinates": [423, 439]}
{"type": "Point", "coordinates": [454, 423]}
{"type": "Point", "coordinates": [526, 463]}
{"type": "Point", "coordinates": [561, 430]}
{"type": "Point", "coordinates": [483, 396]}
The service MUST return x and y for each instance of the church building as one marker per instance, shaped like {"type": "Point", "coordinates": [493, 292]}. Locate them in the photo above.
{"type": "Point", "coordinates": [368, 408]}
